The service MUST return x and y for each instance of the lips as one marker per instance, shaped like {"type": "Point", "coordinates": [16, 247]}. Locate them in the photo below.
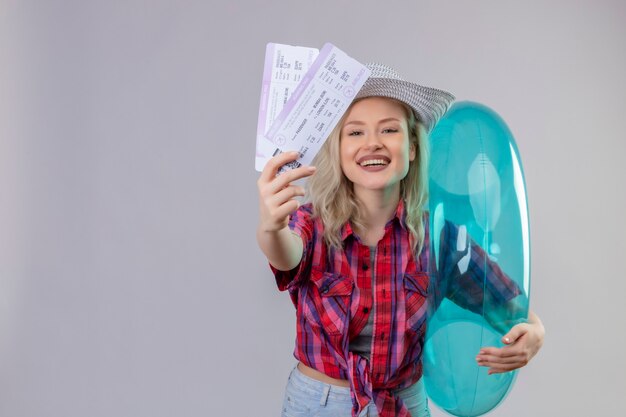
{"type": "Point", "coordinates": [373, 160]}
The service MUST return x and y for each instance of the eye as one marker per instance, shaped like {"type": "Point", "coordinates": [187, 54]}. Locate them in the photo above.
{"type": "Point", "coordinates": [355, 133]}
{"type": "Point", "coordinates": [390, 130]}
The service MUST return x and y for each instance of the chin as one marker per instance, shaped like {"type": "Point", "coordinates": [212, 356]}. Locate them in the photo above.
{"type": "Point", "coordinates": [377, 186]}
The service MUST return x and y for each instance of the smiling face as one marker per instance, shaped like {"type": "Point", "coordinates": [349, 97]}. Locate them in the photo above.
{"type": "Point", "coordinates": [375, 149]}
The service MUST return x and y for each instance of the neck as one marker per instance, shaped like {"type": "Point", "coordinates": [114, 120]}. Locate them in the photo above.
{"type": "Point", "coordinates": [378, 206]}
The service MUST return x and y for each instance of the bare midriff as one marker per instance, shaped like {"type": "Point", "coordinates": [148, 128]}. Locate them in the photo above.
{"type": "Point", "coordinates": [317, 375]}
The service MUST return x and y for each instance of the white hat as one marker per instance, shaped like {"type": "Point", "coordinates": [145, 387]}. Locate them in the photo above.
{"type": "Point", "coordinates": [429, 104]}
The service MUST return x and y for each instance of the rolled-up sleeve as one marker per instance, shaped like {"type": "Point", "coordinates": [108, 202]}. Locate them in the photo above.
{"type": "Point", "coordinates": [471, 278]}
{"type": "Point", "coordinates": [300, 223]}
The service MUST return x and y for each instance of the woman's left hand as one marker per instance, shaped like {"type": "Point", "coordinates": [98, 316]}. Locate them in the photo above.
{"type": "Point", "coordinates": [522, 342]}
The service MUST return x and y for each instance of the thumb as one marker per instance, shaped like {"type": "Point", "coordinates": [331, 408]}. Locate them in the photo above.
{"type": "Point", "coordinates": [515, 333]}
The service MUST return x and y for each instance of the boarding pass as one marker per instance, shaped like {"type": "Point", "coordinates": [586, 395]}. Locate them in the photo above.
{"type": "Point", "coordinates": [321, 96]}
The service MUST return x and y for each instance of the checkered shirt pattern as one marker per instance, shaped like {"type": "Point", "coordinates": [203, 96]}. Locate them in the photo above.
{"type": "Point", "coordinates": [333, 295]}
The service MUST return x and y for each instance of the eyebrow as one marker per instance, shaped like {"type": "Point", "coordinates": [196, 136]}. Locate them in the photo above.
{"type": "Point", "coordinates": [358, 122]}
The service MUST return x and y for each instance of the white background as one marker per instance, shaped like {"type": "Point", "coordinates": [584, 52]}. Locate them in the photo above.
{"type": "Point", "coordinates": [130, 279]}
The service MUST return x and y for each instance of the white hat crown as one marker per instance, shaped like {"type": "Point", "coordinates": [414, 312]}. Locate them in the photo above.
{"type": "Point", "coordinates": [429, 104]}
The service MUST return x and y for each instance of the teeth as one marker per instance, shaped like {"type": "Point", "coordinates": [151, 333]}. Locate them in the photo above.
{"type": "Point", "coordinates": [373, 162]}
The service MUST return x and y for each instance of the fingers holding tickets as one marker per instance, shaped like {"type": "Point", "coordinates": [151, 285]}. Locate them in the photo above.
{"type": "Point", "coordinates": [274, 164]}
{"type": "Point", "coordinates": [276, 193]}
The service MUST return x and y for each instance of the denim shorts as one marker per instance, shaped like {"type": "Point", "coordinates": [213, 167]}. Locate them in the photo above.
{"type": "Point", "coordinates": [308, 397]}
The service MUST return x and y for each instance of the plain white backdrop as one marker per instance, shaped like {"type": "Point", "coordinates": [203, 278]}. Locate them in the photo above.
{"type": "Point", "coordinates": [130, 279]}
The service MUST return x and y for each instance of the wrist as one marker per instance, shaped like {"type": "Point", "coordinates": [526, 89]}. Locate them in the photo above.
{"type": "Point", "coordinates": [271, 229]}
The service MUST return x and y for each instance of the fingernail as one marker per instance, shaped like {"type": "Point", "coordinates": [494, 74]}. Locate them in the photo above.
{"type": "Point", "coordinates": [507, 340]}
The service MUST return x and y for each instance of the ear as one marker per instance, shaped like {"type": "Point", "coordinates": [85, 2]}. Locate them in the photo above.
{"type": "Point", "coordinates": [412, 151]}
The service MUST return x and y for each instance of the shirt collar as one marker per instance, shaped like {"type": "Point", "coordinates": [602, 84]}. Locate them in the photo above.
{"type": "Point", "coordinates": [399, 216]}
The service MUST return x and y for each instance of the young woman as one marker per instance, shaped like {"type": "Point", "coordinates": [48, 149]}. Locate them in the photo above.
{"type": "Point", "coordinates": [354, 259]}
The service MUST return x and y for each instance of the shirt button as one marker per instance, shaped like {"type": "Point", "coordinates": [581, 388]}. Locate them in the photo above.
{"type": "Point", "coordinates": [324, 290]}
{"type": "Point", "coordinates": [365, 310]}
{"type": "Point", "coordinates": [365, 267]}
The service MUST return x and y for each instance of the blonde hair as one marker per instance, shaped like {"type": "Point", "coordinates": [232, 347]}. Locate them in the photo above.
{"type": "Point", "coordinates": [332, 195]}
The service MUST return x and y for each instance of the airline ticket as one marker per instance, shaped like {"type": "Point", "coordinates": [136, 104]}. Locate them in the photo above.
{"type": "Point", "coordinates": [285, 65]}
{"type": "Point", "coordinates": [314, 108]}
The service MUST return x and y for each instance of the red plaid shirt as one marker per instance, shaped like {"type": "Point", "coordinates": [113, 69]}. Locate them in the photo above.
{"type": "Point", "coordinates": [333, 295]}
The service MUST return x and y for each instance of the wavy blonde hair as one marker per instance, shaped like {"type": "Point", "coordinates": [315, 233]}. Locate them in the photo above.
{"type": "Point", "coordinates": [332, 194]}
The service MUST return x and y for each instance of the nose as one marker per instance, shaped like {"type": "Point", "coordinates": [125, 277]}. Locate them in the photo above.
{"type": "Point", "coordinates": [373, 142]}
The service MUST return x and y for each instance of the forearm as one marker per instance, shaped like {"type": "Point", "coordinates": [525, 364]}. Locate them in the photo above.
{"type": "Point", "coordinates": [503, 320]}
{"type": "Point", "coordinates": [502, 317]}
{"type": "Point", "coordinates": [283, 248]}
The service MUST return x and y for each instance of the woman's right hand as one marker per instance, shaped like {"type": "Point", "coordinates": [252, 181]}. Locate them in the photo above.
{"type": "Point", "coordinates": [277, 196]}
